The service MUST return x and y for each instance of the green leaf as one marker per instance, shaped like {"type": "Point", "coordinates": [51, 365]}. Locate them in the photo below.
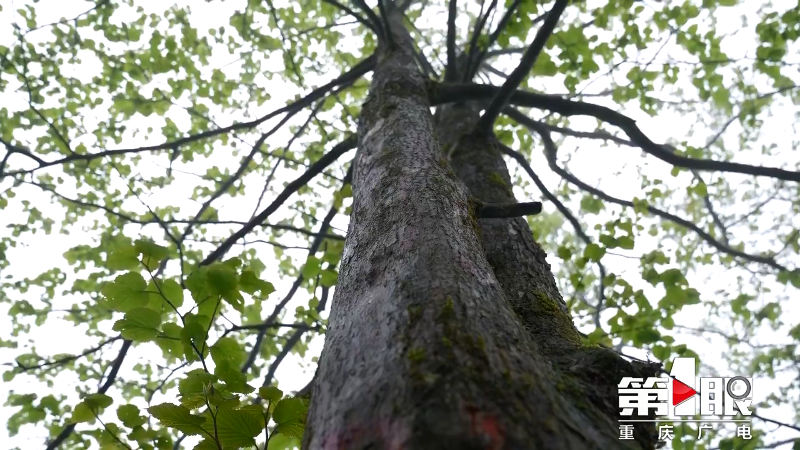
{"type": "Point", "coordinates": [152, 253]}
{"type": "Point", "coordinates": [192, 388]}
{"type": "Point", "coordinates": [178, 417]}
{"type": "Point", "coordinates": [270, 393]}
{"type": "Point", "coordinates": [169, 340]}
{"type": "Point", "coordinates": [235, 380]}
{"type": "Point", "coordinates": [282, 442]}
{"type": "Point", "coordinates": [237, 428]}
{"type": "Point", "coordinates": [311, 268]}
{"type": "Point", "coordinates": [82, 413]}
{"type": "Point", "coordinates": [127, 292]}
{"type": "Point", "coordinates": [222, 279]}
{"type": "Point", "coordinates": [250, 283]}
{"type": "Point", "coordinates": [235, 299]}
{"type": "Point", "coordinates": [625, 242]}
{"type": "Point", "coordinates": [593, 252]}
{"type": "Point", "coordinates": [139, 324]}
{"type": "Point", "coordinates": [124, 258]}
{"type": "Point", "coordinates": [591, 204]}
{"type": "Point", "coordinates": [173, 292]}
{"type": "Point", "coordinates": [328, 277]}
{"type": "Point", "coordinates": [197, 283]}
{"type": "Point", "coordinates": [647, 336]}
{"type": "Point", "coordinates": [206, 444]}
{"type": "Point", "coordinates": [130, 417]}
{"type": "Point", "coordinates": [290, 408]}
{"type": "Point", "coordinates": [228, 349]}
{"type": "Point", "coordinates": [98, 401]}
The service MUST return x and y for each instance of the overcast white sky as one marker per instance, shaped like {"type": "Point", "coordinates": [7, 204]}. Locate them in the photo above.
{"type": "Point", "coordinates": [594, 164]}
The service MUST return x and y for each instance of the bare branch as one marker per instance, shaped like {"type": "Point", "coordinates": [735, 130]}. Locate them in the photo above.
{"type": "Point", "coordinates": [499, 211]}
{"type": "Point", "coordinates": [601, 289]}
{"type": "Point", "coordinates": [261, 326]}
{"type": "Point", "coordinates": [163, 382]}
{"type": "Point", "coordinates": [504, 51]}
{"type": "Point", "coordinates": [450, 71]}
{"type": "Point", "coordinates": [291, 342]}
{"type": "Point", "coordinates": [287, 347]}
{"type": "Point", "coordinates": [64, 360]}
{"type": "Point", "coordinates": [326, 160]}
{"type": "Point", "coordinates": [385, 22]}
{"type": "Point", "coordinates": [357, 16]}
{"type": "Point", "coordinates": [780, 424]}
{"type": "Point", "coordinates": [500, 100]}
{"type": "Point", "coordinates": [131, 219]}
{"type": "Point", "coordinates": [551, 151]}
{"type": "Point", "coordinates": [373, 18]}
{"type": "Point", "coordinates": [297, 134]}
{"type": "Point", "coordinates": [458, 93]}
{"type": "Point", "coordinates": [474, 51]}
{"type": "Point", "coordinates": [97, 6]}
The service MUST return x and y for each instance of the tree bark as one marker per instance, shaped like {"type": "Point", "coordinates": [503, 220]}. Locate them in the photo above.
{"type": "Point", "coordinates": [521, 268]}
{"type": "Point", "coordinates": [423, 349]}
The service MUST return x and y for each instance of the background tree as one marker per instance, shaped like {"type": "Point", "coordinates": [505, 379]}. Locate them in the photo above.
{"type": "Point", "coordinates": [169, 145]}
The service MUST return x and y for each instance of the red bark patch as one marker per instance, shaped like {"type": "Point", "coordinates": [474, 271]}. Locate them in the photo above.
{"type": "Point", "coordinates": [487, 429]}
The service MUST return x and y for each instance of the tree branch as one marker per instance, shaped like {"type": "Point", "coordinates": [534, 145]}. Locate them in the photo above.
{"type": "Point", "coordinates": [67, 359]}
{"type": "Point", "coordinates": [385, 22]}
{"type": "Point", "coordinates": [357, 16]}
{"type": "Point", "coordinates": [500, 100]}
{"type": "Point", "coordinates": [444, 93]}
{"type": "Point", "coordinates": [326, 160]}
{"type": "Point", "coordinates": [474, 52]}
{"type": "Point", "coordinates": [551, 151]}
{"type": "Point", "coordinates": [373, 18]}
{"type": "Point", "coordinates": [291, 342]}
{"type": "Point", "coordinates": [353, 74]}
{"type": "Point", "coordinates": [315, 245]}
{"type": "Point", "coordinates": [112, 376]}
{"type": "Point", "coordinates": [261, 326]}
{"type": "Point", "coordinates": [131, 219]}
{"type": "Point", "coordinates": [502, 211]}
{"type": "Point", "coordinates": [781, 424]}
{"type": "Point", "coordinates": [450, 70]}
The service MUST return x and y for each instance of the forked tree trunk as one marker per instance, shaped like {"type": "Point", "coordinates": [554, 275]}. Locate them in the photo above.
{"type": "Point", "coordinates": [424, 350]}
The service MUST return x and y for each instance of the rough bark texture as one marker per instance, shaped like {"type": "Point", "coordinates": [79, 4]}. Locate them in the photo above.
{"type": "Point", "coordinates": [521, 268]}
{"type": "Point", "coordinates": [519, 263]}
{"type": "Point", "coordinates": [423, 350]}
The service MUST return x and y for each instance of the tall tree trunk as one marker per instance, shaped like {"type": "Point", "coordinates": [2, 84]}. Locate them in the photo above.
{"type": "Point", "coordinates": [423, 349]}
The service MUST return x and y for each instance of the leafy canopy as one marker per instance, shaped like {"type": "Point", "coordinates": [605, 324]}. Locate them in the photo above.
{"type": "Point", "coordinates": [145, 141]}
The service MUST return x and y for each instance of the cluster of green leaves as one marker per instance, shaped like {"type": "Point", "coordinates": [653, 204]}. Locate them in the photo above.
{"type": "Point", "coordinates": [227, 421]}
{"type": "Point", "coordinates": [227, 425]}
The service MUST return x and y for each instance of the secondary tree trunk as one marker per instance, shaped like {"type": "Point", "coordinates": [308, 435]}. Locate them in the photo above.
{"type": "Point", "coordinates": [520, 266]}
{"type": "Point", "coordinates": [424, 350]}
